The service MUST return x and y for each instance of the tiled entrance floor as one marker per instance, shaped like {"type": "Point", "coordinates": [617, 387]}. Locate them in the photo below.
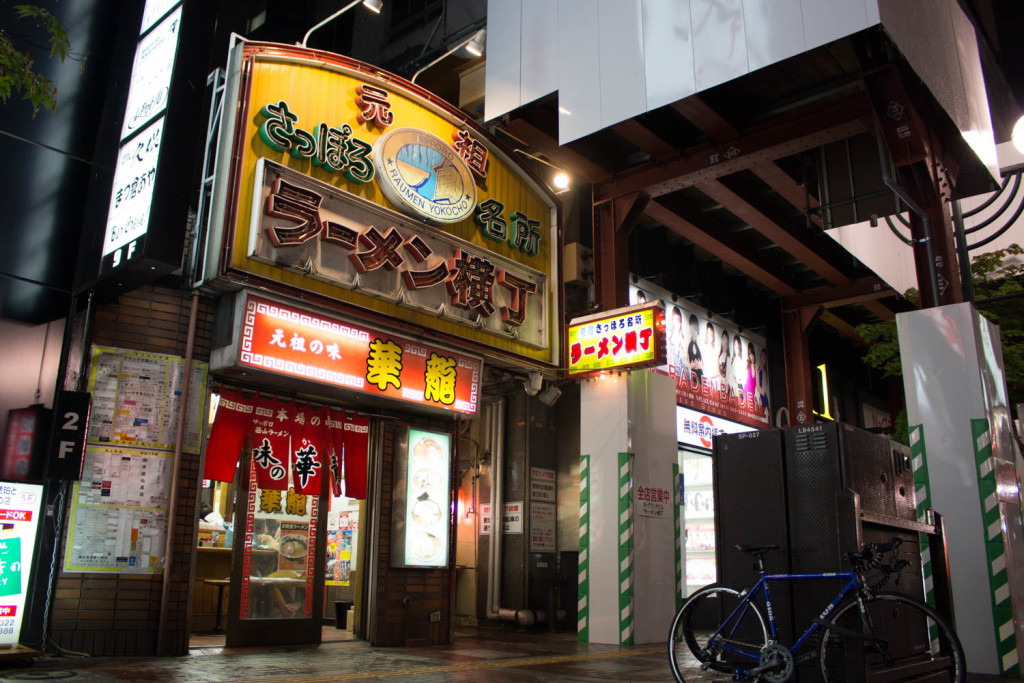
{"type": "Point", "coordinates": [484, 655]}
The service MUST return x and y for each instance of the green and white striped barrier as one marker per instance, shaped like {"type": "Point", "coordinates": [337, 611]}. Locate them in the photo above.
{"type": "Point", "coordinates": [625, 548]}
{"type": "Point", "coordinates": [919, 463]}
{"type": "Point", "coordinates": [676, 504]}
{"type": "Point", "coordinates": [583, 594]}
{"type": "Point", "coordinates": [1002, 611]}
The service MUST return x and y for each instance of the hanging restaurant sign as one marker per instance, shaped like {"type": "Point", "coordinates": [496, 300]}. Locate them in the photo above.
{"type": "Point", "coordinates": [357, 186]}
{"type": "Point", "coordinates": [625, 338]}
{"type": "Point", "coordinates": [290, 341]}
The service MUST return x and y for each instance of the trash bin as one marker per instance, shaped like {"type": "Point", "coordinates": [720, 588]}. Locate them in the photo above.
{"type": "Point", "coordinates": [341, 608]}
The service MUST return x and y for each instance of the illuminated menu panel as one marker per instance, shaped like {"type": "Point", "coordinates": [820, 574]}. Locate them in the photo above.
{"type": "Point", "coordinates": [426, 496]}
{"type": "Point", "coordinates": [19, 520]}
{"type": "Point", "coordinates": [625, 338]}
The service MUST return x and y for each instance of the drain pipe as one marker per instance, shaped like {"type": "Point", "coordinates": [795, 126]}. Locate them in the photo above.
{"type": "Point", "coordinates": [522, 617]}
{"type": "Point", "coordinates": [890, 182]}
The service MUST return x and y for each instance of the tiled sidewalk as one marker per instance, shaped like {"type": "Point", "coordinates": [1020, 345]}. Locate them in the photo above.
{"type": "Point", "coordinates": [485, 656]}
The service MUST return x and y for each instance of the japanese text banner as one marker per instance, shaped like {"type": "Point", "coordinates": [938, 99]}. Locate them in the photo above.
{"type": "Point", "coordinates": [294, 342]}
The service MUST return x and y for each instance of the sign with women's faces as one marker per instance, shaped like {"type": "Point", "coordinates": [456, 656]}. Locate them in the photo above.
{"type": "Point", "coordinates": [718, 367]}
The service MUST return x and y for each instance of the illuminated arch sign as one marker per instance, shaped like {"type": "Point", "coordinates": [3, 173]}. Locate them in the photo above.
{"type": "Point", "coordinates": [356, 186]}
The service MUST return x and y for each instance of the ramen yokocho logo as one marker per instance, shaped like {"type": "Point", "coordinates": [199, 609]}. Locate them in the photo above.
{"type": "Point", "coordinates": [425, 176]}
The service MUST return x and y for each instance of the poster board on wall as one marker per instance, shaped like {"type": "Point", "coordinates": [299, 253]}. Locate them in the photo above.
{"type": "Point", "coordinates": [118, 510]}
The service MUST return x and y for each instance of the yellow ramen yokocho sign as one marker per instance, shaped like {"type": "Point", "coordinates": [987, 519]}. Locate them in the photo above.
{"type": "Point", "coordinates": [360, 189]}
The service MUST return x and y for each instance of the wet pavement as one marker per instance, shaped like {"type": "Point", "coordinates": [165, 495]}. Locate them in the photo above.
{"type": "Point", "coordinates": [484, 655]}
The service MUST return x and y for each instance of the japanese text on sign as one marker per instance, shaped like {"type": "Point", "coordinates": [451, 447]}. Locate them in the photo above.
{"type": "Point", "coordinates": [513, 518]}
{"type": "Point", "coordinates": [626, 339]}
{"type": "Point", "coordinates": [281, 339]}
{"type": "Point", "coordinates": [652, 501]}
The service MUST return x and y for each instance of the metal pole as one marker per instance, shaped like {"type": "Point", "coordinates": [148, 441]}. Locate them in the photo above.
{"type": "Point", "coordinates": [962, 255]}
{"type": "Point", "coordinates": [179, 441]}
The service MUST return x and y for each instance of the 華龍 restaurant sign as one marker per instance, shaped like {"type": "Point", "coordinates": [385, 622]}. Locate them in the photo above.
{"type": "Point", "coordinates": [285, 340]}
{"type": "Point", "coordinates": [357, 186]}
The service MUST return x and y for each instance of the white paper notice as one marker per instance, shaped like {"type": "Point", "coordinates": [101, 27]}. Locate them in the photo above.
{"type": "Point", "coordinates": [542, 527]}
{"type": "Point", "coordinates": [542, 484]}
{"type": "Point", "coordinates": [514, 518]}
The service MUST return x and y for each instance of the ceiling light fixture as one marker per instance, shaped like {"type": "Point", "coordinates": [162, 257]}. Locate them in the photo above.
{"type": "Point", "coordinates": [560, 180]}
{"type": "Point", "coordinates": [474, 45]}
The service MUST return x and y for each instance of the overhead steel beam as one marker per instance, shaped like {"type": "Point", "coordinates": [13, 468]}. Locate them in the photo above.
{"type": "Point", "coordinates": [707, 120]}
{"type": "Point", "coordinates": [613, 223]}
{"type": "Point", "coordinates": [841, 326]}
{"type": "Point", "coordinates": [563, 157]}
{"type": "Point", "coordinates": [716, 239]}
{"type": "Point", "coordinates": [645, 139]}
{"type": "Point", "coordinates": [789, 189]}
{"type": "Point", "coordinates": [791, 133]}
{"type": "Point", "coordinates": [744, 209]}
{"type": "Point", "coordinates": [857, 292]}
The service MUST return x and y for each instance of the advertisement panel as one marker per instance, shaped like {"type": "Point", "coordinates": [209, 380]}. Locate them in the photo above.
{"type": "Point", "coordinates": [615, 340]}
{"type": "Point", "coordinates": [369, 191]}
{"type": "Point", "coordinates": [19, 521]}
{"type": "Point", "coordinates": [295, 342]}
{"type": "Point", "coordinates": [695, 428]}
{"type": "Point", "coordinates": [422, 513]}
{"type": "Point", "coordinates": [719, 367]}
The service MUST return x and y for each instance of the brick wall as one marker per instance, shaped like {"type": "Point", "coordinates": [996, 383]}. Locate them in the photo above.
{"type": "Point", "coordinates": [428, 589]}
{"type": "Point", "coordinates": [118, 614]}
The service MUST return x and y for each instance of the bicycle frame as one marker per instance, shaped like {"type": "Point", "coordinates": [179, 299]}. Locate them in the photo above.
{"type": "Point", "coordinates": [852, 585]}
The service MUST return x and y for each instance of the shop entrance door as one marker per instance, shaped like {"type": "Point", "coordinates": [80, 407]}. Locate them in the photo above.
{"type": "Point", "coordinates": [278, 567]}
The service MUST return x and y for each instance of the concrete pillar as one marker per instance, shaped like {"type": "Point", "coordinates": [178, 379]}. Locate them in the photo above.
{"type": "Point", "coordinates": [627, 571]}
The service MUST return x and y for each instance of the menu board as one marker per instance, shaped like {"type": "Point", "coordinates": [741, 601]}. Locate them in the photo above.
{"type": "Point", "coordinates": [425, 539]}
{"type": "Point", "coordinates": [119, 508]}
{"type": "Point", "coordinates": [19, 522]}
{"type": "Point", "coordinates": [137, 398]}
{"type": "Point", "coordinates": [119, 511]}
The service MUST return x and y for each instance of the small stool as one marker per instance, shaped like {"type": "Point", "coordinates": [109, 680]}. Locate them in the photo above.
{"type": "Point", "coordinates": [221, 584]}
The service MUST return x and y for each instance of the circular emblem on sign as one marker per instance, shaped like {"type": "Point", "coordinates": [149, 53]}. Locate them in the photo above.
{"type": "Point", "coordinates": [424, 176]}
{"type": "Point", "coordinates": [705, 438]}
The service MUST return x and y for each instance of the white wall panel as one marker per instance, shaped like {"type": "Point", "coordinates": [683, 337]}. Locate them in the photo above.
{"type": "Point", "coordinates": [538, 49]}
{"type": "Point", "coordinates": [668, 51]}
{"type": "Point", "coordinates": [872, 12]}
{"type": "Point", "coordinates": [828, 20]}
{"type": "Point", "coordinates": [579, 76]}
{"type": "Point", "coordinates": [719, 44]}
{"type": "Point", "coordinates": [621, 47]}
{"type": "Point", "coordinates": [774, 31]}
{"type": "Point", "coordinates": [603, 435]}
{"type": "Point", "coordinates": [503, 55]}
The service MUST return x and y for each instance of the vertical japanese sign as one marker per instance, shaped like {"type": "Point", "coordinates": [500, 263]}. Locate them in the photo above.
{"type": "Point", "coordinates": [291, 341]}
{"type": "Point", "coordinates": [542, 527]}
{"type": "Point", "coordinates": [19, 520]}
{"type": "Point", "coordinates": [542, 484]}
{"type": "Point", "coordinates": [141, 134]}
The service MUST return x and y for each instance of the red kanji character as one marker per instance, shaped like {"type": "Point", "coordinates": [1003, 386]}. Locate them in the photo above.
{"type": "Point", "coordinates": [645, 338]}
{"type": "Point", "coordinates": [295, 204]}
{"type": "Point", "coordinates": [471, 282]}
{"type": "Point", "coordinates": [417, 279]}
{"type": "Point", "coordinates": [575, 353]}
{"type": "Point", "coordinates": [616, 345]}
{"type": "Point", "coordinates": [602, 347]}
{"type": "Point", "coordinates": [518, 289]}
{"type": "Point", "coordinates": [631, 341]}
{"type": "Point", "coordinates": [472, 151]}
{"type": "Point", "coordinates": [375, 105]}
{"type": "Point", "coordinates": [383, 250]}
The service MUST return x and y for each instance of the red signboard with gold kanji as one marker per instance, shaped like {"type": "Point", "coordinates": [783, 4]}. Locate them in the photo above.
{"type": "Point", "coordinates": [285, 340]}
{"type": "Point", "coordinates": [622, 339]}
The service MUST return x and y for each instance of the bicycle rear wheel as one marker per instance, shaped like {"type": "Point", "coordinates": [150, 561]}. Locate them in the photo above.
{"type": "Point", "coordinates": [701, 636]}
{"type": "Point", "coordinates": [898, 638]}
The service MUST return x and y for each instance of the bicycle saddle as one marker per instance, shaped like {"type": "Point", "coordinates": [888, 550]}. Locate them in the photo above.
{"type": "Point", "coordinates": [756, 550]}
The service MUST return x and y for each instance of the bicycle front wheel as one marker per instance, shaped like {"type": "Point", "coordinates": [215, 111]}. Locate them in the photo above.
{"type": "Point", "coordinates": [709, 631]}
{"type": "Point", "coordinates": [895, 638]}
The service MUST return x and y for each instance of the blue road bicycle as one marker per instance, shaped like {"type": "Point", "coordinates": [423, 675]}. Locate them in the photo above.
{"type": "Point", "coordinates": [862, 635]}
